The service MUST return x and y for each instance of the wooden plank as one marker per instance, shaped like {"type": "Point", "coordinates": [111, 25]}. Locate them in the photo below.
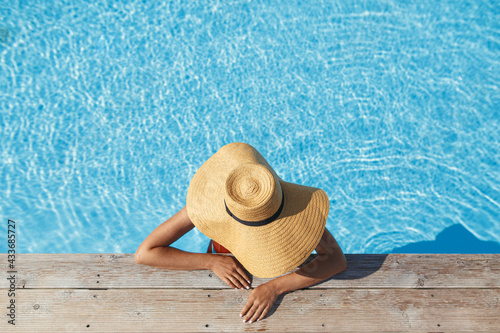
{"type": "Point", "coordinates": [195, 310]}
{"type": "Point", "coordinates": [364, 271]}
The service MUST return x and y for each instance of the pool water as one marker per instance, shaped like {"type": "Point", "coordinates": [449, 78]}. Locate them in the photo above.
{"type": "Point", "coordinates": [109, 108]}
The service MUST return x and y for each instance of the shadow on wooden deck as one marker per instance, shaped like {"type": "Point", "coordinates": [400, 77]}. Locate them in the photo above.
{"type": "Point", "coordinates": [377, 293]}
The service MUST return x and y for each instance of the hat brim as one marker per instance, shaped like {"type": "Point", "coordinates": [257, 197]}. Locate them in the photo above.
{"type": "Point", "coordinates": [265, 251]}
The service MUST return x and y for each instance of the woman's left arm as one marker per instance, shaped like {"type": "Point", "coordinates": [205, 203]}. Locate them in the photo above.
{"type": "Point", "coordinates": [330, 261]}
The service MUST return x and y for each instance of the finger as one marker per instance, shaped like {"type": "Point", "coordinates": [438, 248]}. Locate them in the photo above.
{"type": "Point", "coordinates": [241, 279]}
{"type": "Point", "coordinates": [236, 282]}
{"type": "Point", "coordinates": [241, 269]}
{"type": "Point", "coordinates": [246, 307]}
{"type": "Point", "coordinates": [230, 283]}
{"type": "Point", "coordinates": [264, 313]}
{"type": "Point", "coordinates": [250, 313]}
{"type": "Point", "coordinates": [244, 276]}
{"type": "Point", "coordinates": [257, 313]}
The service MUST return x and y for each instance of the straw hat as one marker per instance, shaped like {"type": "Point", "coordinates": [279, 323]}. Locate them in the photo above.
{"type": "Point", "coordinates": [269, 225]}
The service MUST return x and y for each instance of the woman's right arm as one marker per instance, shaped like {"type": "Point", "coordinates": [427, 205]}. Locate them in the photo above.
{"type": "Point", "coordinates": [156, 251]}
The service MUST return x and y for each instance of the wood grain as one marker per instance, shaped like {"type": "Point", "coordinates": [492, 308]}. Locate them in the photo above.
{"type": "Point", "coordinates": [377, 293]}
{"type": "Point", "coordinates": [194, 310]}
{"type": "Point", "coordinates": [364, 271]}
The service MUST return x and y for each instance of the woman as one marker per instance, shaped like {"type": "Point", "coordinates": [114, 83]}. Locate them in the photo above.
{"type": "Point", "coordinates": [269, 225]}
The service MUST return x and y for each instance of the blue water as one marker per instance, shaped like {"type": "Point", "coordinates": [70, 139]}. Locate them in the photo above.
{"type": "Point", "coordinates": [109, 108]}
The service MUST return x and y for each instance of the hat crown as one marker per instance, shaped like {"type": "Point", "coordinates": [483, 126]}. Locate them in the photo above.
{"type": "Point", "coordinates": [252, 192]}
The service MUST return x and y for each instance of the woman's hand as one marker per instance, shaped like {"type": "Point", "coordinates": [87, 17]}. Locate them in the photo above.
{"type": "Point", "coordinates": [229, 270]}
{"type": "Point", "coordinates": [330, 261]}
{"type": "Point", "coordinates": [260, 300]}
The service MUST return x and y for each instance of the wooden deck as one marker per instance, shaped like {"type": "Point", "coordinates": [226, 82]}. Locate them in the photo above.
{"type": "Point", "coordinates": [110, 293]}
